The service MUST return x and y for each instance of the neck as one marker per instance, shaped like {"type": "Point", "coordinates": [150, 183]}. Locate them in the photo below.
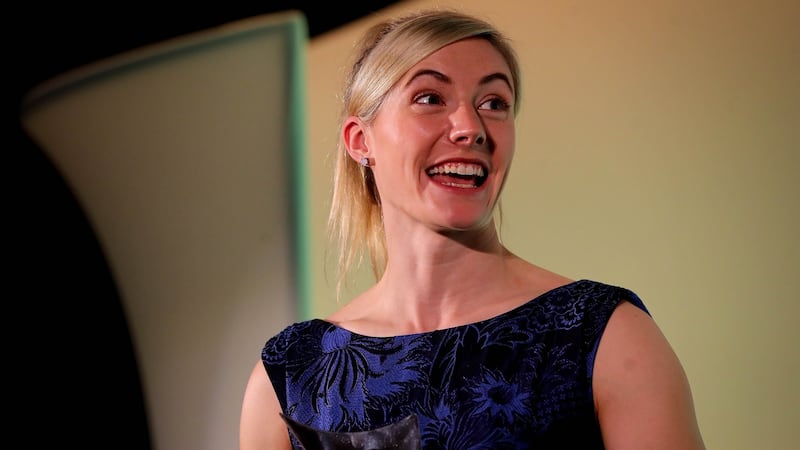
{"type": "Point", "coordinates": [445, 285]}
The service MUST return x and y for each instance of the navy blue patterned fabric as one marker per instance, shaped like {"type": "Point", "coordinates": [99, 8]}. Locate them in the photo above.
{"type": "Point", "coordinates": [519, 380]}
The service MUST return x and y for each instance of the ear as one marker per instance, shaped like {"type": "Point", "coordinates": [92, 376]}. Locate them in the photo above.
{"type": "Point", "coordinates": [355, 138]}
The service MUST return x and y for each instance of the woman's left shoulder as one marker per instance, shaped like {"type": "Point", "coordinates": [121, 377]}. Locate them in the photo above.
{"type": "Point", "coordinates": [639, 383]}
{"type": "Point", "coordinates": [605, 296]}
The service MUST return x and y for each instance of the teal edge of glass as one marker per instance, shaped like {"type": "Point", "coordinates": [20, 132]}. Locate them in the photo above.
{"type": "Point", "coordinates": [298, 159]}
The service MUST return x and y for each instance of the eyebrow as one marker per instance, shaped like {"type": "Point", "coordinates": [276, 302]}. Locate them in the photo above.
{"type": "Point", "coordinates": [442, 77]}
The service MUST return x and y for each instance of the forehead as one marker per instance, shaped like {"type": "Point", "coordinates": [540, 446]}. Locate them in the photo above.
{"type": "Point", "coordinates": [472, 56]}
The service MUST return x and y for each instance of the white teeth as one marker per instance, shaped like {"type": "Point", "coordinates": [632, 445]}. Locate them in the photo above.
{"type": "Point", "coordinates": [458, 168]}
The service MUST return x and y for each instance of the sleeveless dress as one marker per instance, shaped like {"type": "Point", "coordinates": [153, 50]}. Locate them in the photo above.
{"type": "Point", "coordinates": [519, 380]}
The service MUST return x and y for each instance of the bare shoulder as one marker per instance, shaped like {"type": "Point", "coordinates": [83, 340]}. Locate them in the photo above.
{"type": "Point", "coordinates": [642, 394]}
{"type": "Point", "coordinates": [260, 425]}
{"type": "Point", "coordinates": [535, 280]}
{"type": "Point", "coordinates": [353, 308]}
{"type": "Point", "coordinates": [360, 315]}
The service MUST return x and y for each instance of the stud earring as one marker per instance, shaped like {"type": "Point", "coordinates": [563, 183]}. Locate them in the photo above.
{"type": "Point", "coordinates": [364, 161]}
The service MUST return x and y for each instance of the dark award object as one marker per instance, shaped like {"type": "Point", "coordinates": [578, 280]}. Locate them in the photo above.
{"type": "Point", "coordinates": [401, 435]}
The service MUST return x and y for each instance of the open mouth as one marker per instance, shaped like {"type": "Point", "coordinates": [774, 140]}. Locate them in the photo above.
{"type": "Point", "coordinates": [461, 175]}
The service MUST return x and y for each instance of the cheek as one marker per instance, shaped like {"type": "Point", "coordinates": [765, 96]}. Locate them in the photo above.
{"type": "Point", "coordinates": [407, 129]}
{"type": "Point", "coordinates": [504, 141]}
{"type": "Point", "coordinates": [512, 145]}
{"type": "Point", "coordinates": [427, 130]}
{"type": "Point", "coordinates": [403, 138]}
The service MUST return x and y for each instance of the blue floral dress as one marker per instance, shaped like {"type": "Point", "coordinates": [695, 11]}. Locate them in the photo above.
{"type": "Point", "coordinates": [519, 380]}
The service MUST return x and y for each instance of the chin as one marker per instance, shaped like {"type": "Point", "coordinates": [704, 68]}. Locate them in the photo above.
{"type": "Point", "coordinates": [462, 224]}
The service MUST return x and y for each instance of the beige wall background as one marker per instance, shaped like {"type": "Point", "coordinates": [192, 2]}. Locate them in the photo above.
{"type": "Point", "coordinates": [657, 149]}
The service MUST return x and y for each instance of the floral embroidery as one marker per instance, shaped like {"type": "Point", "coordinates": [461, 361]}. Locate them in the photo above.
{"type": "Point", "coordinates": [519, 380]}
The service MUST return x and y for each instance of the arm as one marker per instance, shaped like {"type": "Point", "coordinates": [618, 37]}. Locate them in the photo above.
{"type": "Point", "coordinates": [641, 392]}
{"type": "Point", "coordinates": [260, 426]}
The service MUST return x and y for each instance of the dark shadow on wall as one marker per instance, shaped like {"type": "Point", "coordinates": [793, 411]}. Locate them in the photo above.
{"type": "Point", "coordinates": [75, 377]}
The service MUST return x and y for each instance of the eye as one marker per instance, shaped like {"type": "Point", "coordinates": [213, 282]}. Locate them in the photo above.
{"type": "Point", "coordinates": [495, 104]}
{"type": "Point", "coordinates": [428, 99]}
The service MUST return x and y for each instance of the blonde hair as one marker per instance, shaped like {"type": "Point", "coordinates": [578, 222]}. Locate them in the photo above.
{"type": "Point", "coordinates": [384, 54]}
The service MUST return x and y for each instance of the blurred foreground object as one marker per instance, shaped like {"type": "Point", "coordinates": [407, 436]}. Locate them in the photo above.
{"type": "Point", "coordinates": [187, 159]}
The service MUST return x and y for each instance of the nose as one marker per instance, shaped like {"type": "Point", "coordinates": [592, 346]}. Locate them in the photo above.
{"type": "Point", "coordinates": [467, 126]}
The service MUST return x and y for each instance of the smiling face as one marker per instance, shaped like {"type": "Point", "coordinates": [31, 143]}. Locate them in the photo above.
{"type": "Point", "coordinates": [442, 142]}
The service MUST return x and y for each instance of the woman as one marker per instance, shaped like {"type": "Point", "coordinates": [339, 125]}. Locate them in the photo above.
{"type": "Point", "coordinates": [485, 349]}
